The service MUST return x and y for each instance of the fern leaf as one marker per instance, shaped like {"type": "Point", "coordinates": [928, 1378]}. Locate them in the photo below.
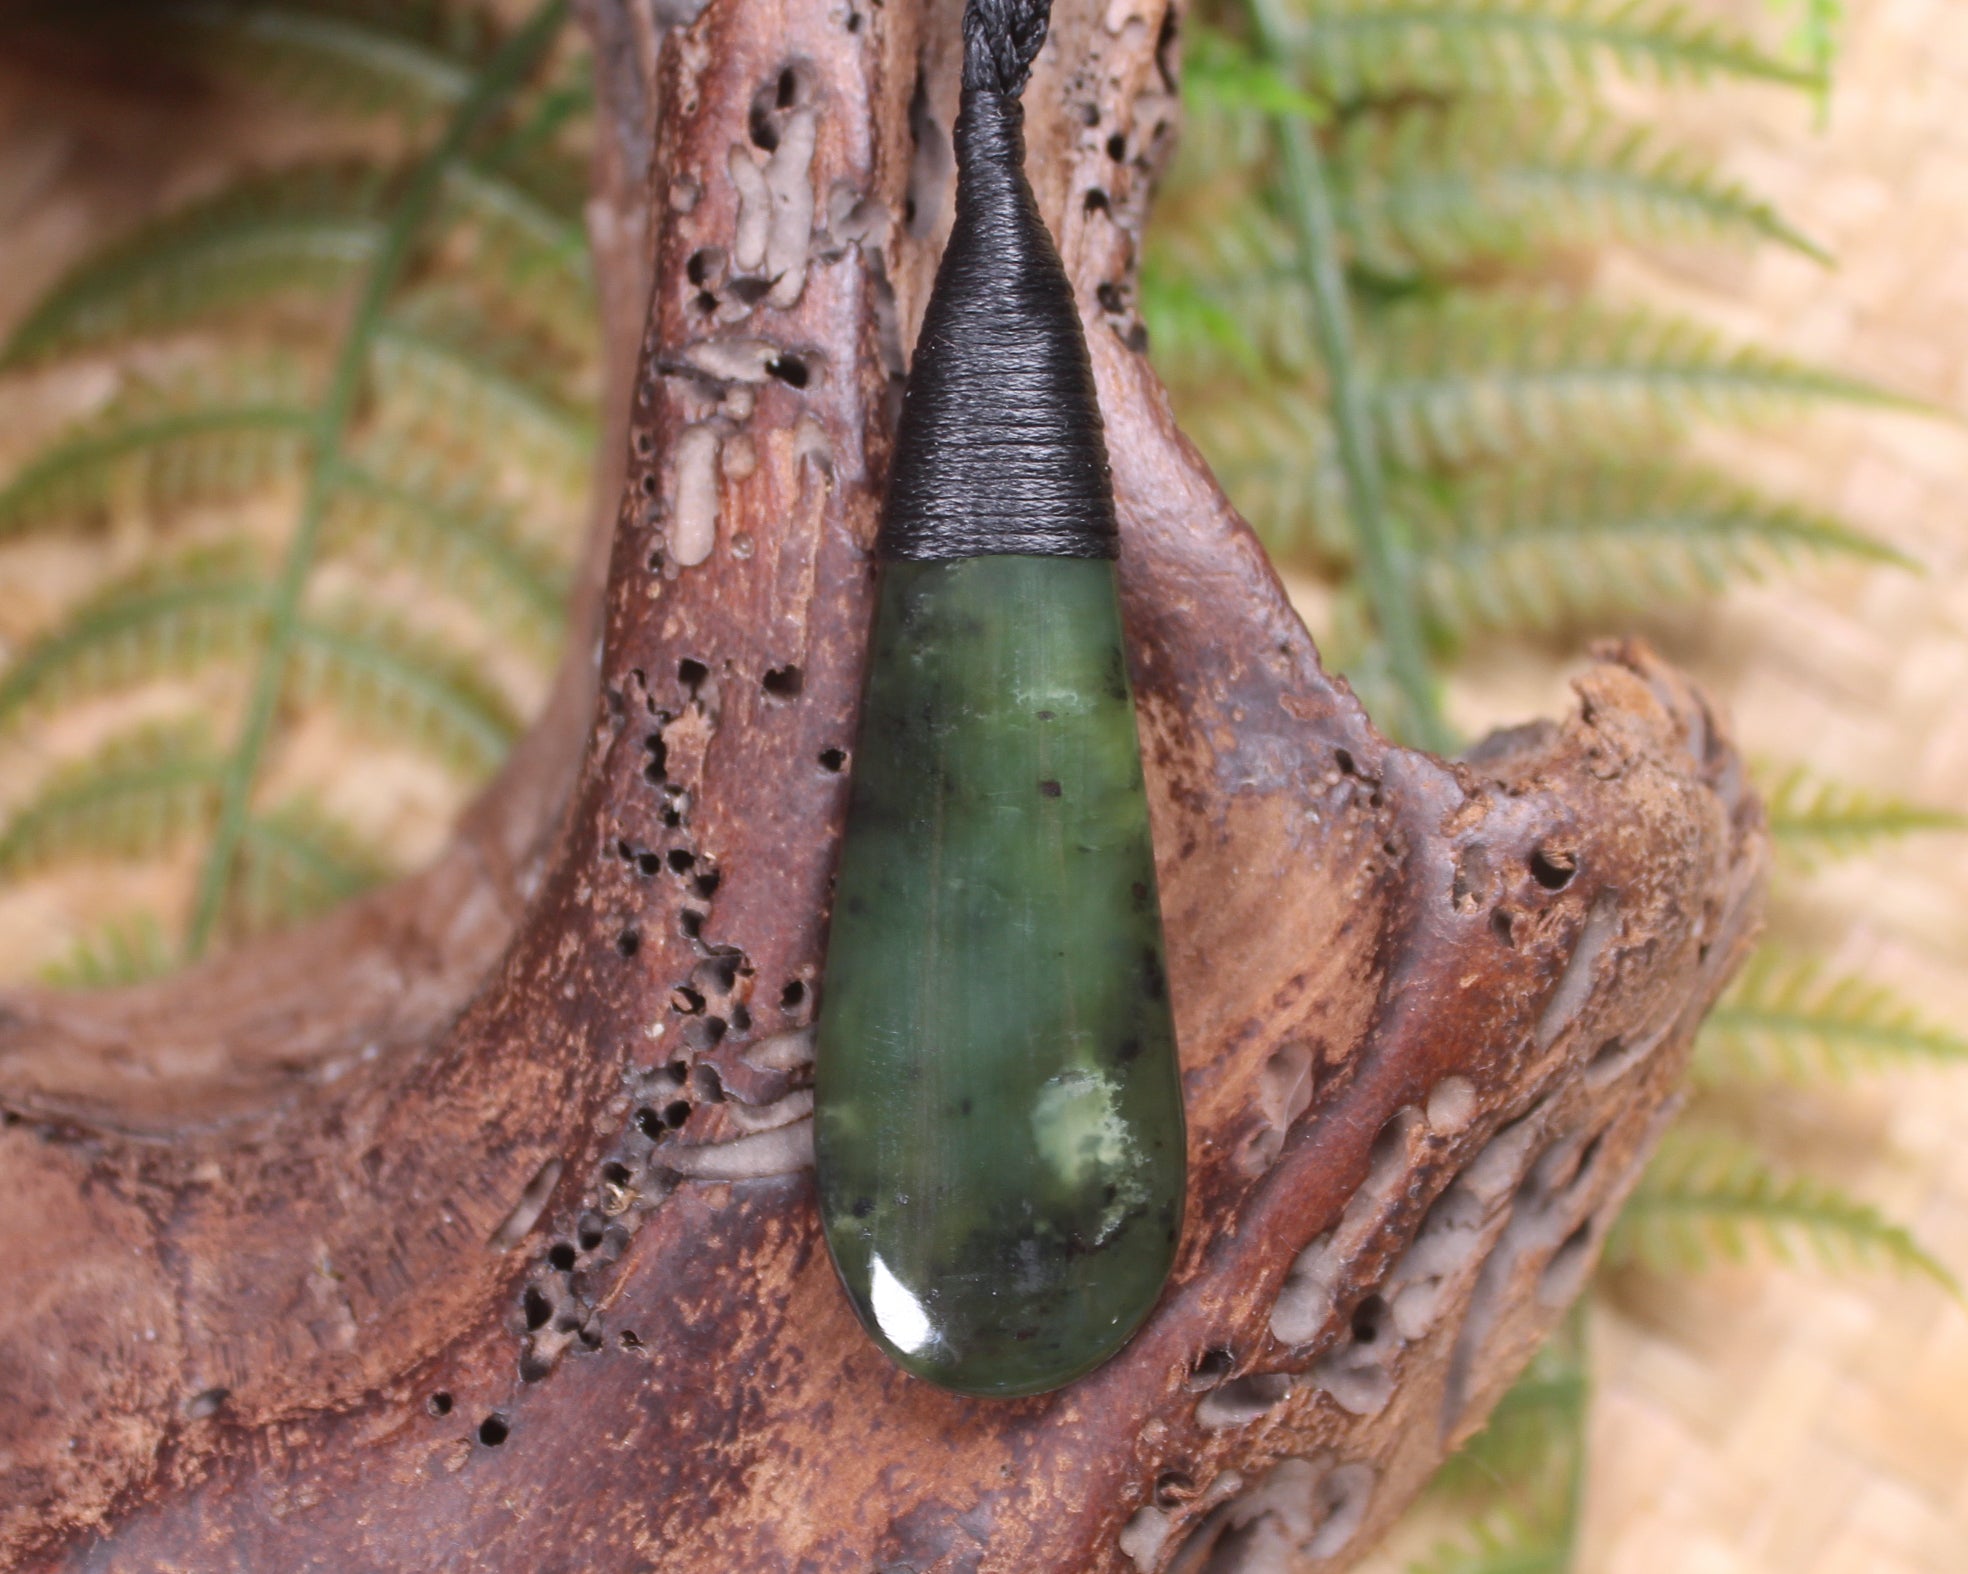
{"type": "Point", "coordinates": [1191, 334]}
{"type": "Point", "coordinates": [137, 795]}
{"type": "Point", "coordinates": [1475, 379]}
{"type": "Point", "coordinates": [300, 231]}
{"type": "Point", "coordinates": [161, 448]}
{"type": "Point", "coordinates": [494, 401]}
{"type": "Point", "coordinates": [1222, 284]}
{"type": "Point", "coordinates": [296, 862]}
{"type": "Point", "coordinates": [1275, 454]}
{"type": "Point", "coordinates": [1220, 71]}
{"type": "Point", "coordinates": [1222, 238]}
{"type": "Point", "coordinates": [529, 211]}
{"type": "Point", "coordinates": [363, 56]}
{"type": "Point", "coordinates": [559, 111]}
{"type": "Point", "coordinates": [1431, 189]}
{"type": "Point", "coordinates": [454, 537]}
{"type": "Point", "coordinates": [1505, 1540]}
{"type": "Point", "coordinates": [1707, 1198]}
{"type": "Point", "coordinates": [1815, 41]}
{"type": "Point", "coordinates": [171, 618]}
{"type": "Point", "coordinates": [1812, 818]}
{"type": "Point", "coordinates": [1534, 1431]}
{"type": "Point", "coordinates": [1787, 1018]}
{"type": "Point", "coordinates": [1354, 49]}
{"type": "Point", "coordinates": [526, 252]}
{"type": "Point", "coordinates": [1533, 547]}
{"type": "Point", "coordinates": [1222, 148]}
{"type": "Point", "coordinates": [130, 950]}
{"type": "Point", "coordinates": [459, 388]}
{"type": "Point", "coordinates": [406, 685]}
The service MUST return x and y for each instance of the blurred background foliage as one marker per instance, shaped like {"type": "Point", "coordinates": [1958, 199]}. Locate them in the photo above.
{"type": "Point", "coordinates": [1368, 286]}
{"type": "Point", "coordinates": [342, 432]}
{"type": "Point", "coordinates": [338, 423]}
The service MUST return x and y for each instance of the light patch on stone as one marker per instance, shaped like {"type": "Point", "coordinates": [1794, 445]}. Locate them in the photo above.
{"type": "Point", "coordinates": [898, 1314]}
{"type": "Point", "coordinates": [1081, 1134]}
{"type": "Point", "coordinates": [1078, 1126]}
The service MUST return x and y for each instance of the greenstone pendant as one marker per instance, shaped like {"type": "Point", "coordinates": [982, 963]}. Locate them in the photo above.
{"type": "Point", "coordinates": [998, 1110]}
{"type": "Point", "coordinates": [998, 1118]}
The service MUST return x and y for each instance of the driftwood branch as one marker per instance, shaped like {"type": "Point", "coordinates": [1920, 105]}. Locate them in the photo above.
{"type": "Point", "coordinates": [472, 1228]}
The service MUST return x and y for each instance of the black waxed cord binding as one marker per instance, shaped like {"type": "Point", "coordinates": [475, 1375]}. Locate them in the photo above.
{"type": "Point", "coordinates": [1000, 448]}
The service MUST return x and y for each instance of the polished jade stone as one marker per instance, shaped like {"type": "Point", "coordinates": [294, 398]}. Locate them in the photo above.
{"type": "Point", "coordinates": [998, 1116]}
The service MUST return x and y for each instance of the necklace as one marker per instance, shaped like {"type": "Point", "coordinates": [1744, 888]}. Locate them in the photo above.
{"type": "Point", "coordinates": [998, 1114]}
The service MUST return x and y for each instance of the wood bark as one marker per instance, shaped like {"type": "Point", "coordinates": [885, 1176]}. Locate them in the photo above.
{"type": "Point", "coordinates": [473, 1228]}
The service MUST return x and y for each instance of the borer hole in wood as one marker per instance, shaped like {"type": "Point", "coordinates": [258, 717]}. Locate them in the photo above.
{"type": "Point", "coordinates": [789, 369]}
{"type": "Point", "coordinates": [1210, 1368]}
{"type": "Point", "coordinates": [1553, 868]}
{"type": "Point", "coordinates": [535, 1307]}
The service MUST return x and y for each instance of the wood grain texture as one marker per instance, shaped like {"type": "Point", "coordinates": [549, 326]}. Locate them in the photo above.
{"type": "Point", "coordinates": [472, 1228]}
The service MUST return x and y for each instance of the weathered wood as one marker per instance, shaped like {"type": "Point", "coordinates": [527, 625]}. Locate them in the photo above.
{"type": "Point", "coordinates": [472, 1229]}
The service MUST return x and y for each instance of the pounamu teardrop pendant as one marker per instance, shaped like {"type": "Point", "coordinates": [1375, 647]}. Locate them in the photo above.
{"type": "Point", "coordinates": [998, 1118]}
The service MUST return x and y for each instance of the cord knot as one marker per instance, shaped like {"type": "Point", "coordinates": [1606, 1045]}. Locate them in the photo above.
{"type": "Point", "coordinates": [1001, 39]}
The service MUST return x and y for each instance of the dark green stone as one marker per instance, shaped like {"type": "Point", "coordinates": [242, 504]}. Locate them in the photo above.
{"type": "Point", "coordinates": [999, 1116]}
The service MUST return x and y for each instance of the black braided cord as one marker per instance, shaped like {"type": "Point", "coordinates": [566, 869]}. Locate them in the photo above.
{"type": "Point", "coordinates": [1000, 448]}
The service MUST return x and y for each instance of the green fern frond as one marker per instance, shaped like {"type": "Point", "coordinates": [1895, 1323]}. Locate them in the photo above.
{"type": "Point", "coordinates": [1220, 239]}
{"type": "Point", "coordinates": [556, 114]}
{"type": "Point", "coordinates": [528, 209]}
{"type": "Point", "coordinates": [1708, 1198]}
{"type": "Point", "coordinates": [1481, 378]}
{"type": "Point", "coordinates": [1505, 1540]}
{"type": "Point", "coordinates": [212, 436]}
{"type": "Point", "coordinates": [455, 537]}
{"type": "Point", "coordinates": [1787, 1018]}
{"type": "Point", "coordinates": [130, 950]}
{"type": "Point", "coordinates": [171, 618]}
{"type": "Point", "coordinates": [1527, 1467]}
{"type": "Point", "coordinates": [480, 392]}
{"type": "Point", "coordinates": [1355, 49]}
{"type": "Point", "coordinates": [1813, 818]}
{"type": "Point", "coordinates": [1529, 547]}
{"type": "Point", "coordinates": [1221, 291]}
{"type": "Point", "coordinates": [465, 337]}
{"type": "Point", "coordinates": [406, 685]}
{"type": "Point", "coordinates": [1815, 42]}
{"type": "Point", "coordinates": [1222, 148]}
{"type": "Point", "coordinates": [1190, 333]}
{"type": "Point", "coordinates": [1352, 647]}
{"type": "Point", "coordinates": [527, 252]}
{"type": "Point", "coordinates": [1220, 72]}
{"type": "Point", "coordinates": [304, 231]}
{"type": "Point", "coordinates": [1275, 454]}
{"type": "Point", "coordinates": [1436, 188]}
{"type": "Point", "coordinates": [139, 794]}
{"type": "Point", "coordinates": [295, 862]}
{"type": "Point", "coordinates": [1537, 1424]}
{"type": "Point", "coordinates": [361, 56]}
